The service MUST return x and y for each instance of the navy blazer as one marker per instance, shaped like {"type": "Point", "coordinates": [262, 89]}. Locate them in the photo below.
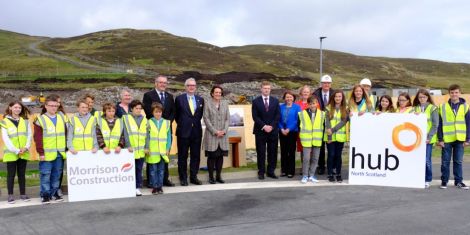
{"type": "Point", "coordinates": [168, 106]}
{"type": "Point", "coordinates": [261, 117]}
{"type": "Point", "coordinates": [185, 120]}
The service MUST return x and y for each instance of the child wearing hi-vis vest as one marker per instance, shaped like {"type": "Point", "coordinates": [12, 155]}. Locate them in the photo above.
{"type": "Point", "coordinates": [157, 147]}
{"type": "Point", "coordinates": [82, 130]}
{"type": "Point", "coordinates": [311, 138]}
{"type": "Point", "coordinates": [135, 133]}
{"type": "Point", "coordinates": [335, 134]}
{"type": "Point", "coordinates": [50, 138]}
{"type": "Point", "coordinates": [16, 135]}
{"type": "Point", "coordinates": [112, 129]}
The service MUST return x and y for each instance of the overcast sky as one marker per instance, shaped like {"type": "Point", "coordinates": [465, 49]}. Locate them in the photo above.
{"type": "Point", "coordinates": [430, 29]}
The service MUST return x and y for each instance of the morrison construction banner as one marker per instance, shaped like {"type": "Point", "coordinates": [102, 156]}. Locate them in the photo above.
{"type": "Point", "coordinates": [93, 176]}
{"type": "Point", "coordinates": [388, 150]}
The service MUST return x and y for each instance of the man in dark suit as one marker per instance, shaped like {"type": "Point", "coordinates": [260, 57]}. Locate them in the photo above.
{"type": "Point", "coordinates": [189, 109]}
{"type": "Point", "coordinates": [266, 114]}
{"type": "Point", "coordinates": [160, 95]}
{"type": "Point", "coordinates": [324, 94]}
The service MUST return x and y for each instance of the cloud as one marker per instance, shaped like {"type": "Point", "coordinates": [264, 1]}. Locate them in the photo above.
{"type": "Point", "coordinates": [431, 29]}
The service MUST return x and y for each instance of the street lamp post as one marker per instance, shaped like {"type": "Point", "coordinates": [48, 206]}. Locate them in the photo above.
{"type": "Point", "coordinates": [321, 56]}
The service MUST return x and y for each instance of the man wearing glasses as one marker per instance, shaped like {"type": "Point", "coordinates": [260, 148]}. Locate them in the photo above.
{"type": "Point", "coordinates": [189, 109]}
{"type": "Point", "coordinates": [160, 95]}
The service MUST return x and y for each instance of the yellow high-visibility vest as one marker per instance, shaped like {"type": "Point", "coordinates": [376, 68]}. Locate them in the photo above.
{"type": "Point", "coordinates": [137, 134]}
{"type": "Point", "coordinates": [311, 134]}
{"type": "Point", "coordinates": [429, 109]}
{"type": "Point", "coordinates": [408, 109]}
{"type": "Point", "coordinates": [158, 142]}
{"type": "Point", "coordinates": [53, 136]}
{"type": "Point", "coordinates": [339, 135]}
{"type": "Point", "coordinates": [111, 137]}
{"type": "Point", "coordinates": [83, 135]}
{"type": "Point", "coordinates": [453, 124]}
{"type": "Point", "coordinates": [18, 137]}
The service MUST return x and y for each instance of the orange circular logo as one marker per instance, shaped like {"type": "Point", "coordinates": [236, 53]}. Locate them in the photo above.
{"type": "Point", "coordinates": [408, 127]}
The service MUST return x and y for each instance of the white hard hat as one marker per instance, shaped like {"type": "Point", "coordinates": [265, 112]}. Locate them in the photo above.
{"type": "Point", "coordinates": [365, 81]}
{"type": "Point", "coordinates": [326, 78]}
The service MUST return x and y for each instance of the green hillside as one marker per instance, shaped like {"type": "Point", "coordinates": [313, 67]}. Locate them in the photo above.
{"type": "Point", "coordinates": [113, 53]}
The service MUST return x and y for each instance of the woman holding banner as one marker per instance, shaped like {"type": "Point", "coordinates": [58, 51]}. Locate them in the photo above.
{"type": "Point", "coordinates": [423, 103]}
{"type": "Point", "coordinates": [16, 135]}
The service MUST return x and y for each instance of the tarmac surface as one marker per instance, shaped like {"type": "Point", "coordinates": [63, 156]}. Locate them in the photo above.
{"type": "Point", "coordinates": [249, 206]}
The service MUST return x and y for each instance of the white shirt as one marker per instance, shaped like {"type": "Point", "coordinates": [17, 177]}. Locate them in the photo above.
{"type": "Point", "coordinates": [264, 99]}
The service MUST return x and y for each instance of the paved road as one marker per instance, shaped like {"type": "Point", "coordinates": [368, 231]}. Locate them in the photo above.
{"type": "Point", "coordinates": [289, 210]}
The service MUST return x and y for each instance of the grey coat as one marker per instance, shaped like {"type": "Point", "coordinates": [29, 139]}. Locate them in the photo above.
{"type": "Point", "coordinates": [215, 119]}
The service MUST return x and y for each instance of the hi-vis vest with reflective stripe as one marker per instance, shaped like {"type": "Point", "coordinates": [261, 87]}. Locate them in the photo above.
{"type": "Point", "coordinates": [373, 101]}
{"type": "Point", "coordinates": [355, 108]}
{"type": "Point", "coordinates": [453, 125]}
{"type": "Point", "coordinates": [53, 136]}
{"type": "Point", "coordinates": [83, 135]}
{"type": "Point", "coordinates": [98, 114]}
{"type": "Point", "coordinates": [137, 134]}
{"type": "Point", "coordinates": [311, 134]}
{"type": "Point", "coordinates": [111, 137]}
{"type": "Point", "coordinates": [339, 135]}
{"type": "Point", "coordinates": [408, 109]}
{"type": "Point", "coordinates": [158, 141]}
{"type": "Point", "coordinates": [18, 137]}
{"type": "Point", "coordinates": [429, 109]}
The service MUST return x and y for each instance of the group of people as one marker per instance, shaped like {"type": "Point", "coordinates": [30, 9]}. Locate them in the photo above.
{"type": "Point", "coordinates": [321, 119]}
{"type": "Point", "coordinates": [143, 128]}
{"type": "Point", "coordinates": [317, 120]}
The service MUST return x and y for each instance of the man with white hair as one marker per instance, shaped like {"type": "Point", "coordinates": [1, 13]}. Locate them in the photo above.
{"type": "Point", "coordinates": [367, 85]}
{"type": "Point", "coordinates": [323, 94]}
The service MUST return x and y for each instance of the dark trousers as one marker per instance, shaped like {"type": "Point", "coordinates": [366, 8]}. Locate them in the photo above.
{"type": "Point", "coordinates": [288, 145]}
{"type": "Point", "coordinates": [139, 164]}
{"type": "Point", "coordinates": [266, 141]}
{"type": "Point", "coordinates": [335, 151]}
{"type": "Point", "coordinates": [18, 166]}
{"type": "Point", "coordinates": [321, 157]}
{"type": "Point", "coordinates": [193, 144]}
{"type": "Point", "coordinates": [215, 163]}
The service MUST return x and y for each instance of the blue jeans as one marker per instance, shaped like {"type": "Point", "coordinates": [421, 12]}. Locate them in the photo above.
{"type": "Point", "coordinates": [139, 164]}
{"type": "Point", "coordinates": [50, 176]}
{"type": "Point", "coordinates": [428, 162]}
{"type": "Point", "coordinates": [156, 174]}
{"type": "Point", "coordinates": [454, 149]}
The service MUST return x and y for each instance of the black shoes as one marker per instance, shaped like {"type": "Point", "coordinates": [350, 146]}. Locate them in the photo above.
{"type": "Point", "coordinates": [195, 181]}
{"type": "Point", "coordinates": [331, 178]}
{"type": "Point", "coordinates": [211, 181]}
{"type": "Point", "coordinates": [220, 180]}
{"type": "Point", "coordinates": [184, 183]}
{"type": "Point", "coordinates": [261, 177]}
{"type": "Point", "coordinates": [168, 183]}
{"type": "Point", "coordinates": [272, 176]}
{"type": "Point", "coordinates": [339, 179]}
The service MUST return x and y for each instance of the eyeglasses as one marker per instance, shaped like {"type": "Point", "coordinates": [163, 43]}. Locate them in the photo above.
{"type": "Point", "coordinates": [402, 100]}
{"type": "Point", "coordinates": [191, 85]}
{"type": "Point", "coordinates": [163, 82]}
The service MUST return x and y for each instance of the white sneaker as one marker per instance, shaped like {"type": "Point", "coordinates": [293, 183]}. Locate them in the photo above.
{"type": "Point", "coordinates": [313, 179]}
{"type": "Point", "coordinates": [304, 180]}
{"type": "Point", "coordinates": [427, 185]}
{"type": "Point", "coordinates": [137, 192]}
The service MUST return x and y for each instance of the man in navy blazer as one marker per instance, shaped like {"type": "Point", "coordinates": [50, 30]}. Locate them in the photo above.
{"type": "Point", "coordinates": [266, 114]}
{"type": "Point", "coordinates": [189, 109]}
{"type": "Point", "coordinates": [160, 95]}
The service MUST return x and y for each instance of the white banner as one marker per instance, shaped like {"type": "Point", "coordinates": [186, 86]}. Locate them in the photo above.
{"type": "Point", "coordinates": [93, 176]}
{"type": "Point", "coordinates": [388, 150]}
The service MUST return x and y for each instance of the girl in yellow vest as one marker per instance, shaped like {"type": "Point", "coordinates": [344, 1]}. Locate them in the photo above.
{"type": "Point", "coordinates": [423, 103]}
{"type": "Point", "coordinates": [385, 105]}
{"type": "Point", "coordinates": [49, 135]}
{"type": "Point", "coordinates": [82, 130]}
{"type": "Point", "coordinates": [135, 133]}
{"type": "Point", "coordinates": [404, 103]}
{"type": "Point", "coordinates": [16, 135]}
{"type": "Point", "coordinates": [359, 102]}
{"type": "Point", "coordinates": [112, 129]}
{"type": "Point", "coordinates": [311, 137]}
{"type": "Point", "coordinates": [157, 147]}
{"type": "Point", "coordinates": [336, 134]}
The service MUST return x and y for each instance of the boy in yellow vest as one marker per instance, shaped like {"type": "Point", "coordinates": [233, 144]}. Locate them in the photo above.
{"type": "Point", "coordinates": [311, 137]}
{"type": "Point", "coordinates": [157, 147]}
{"type": "Point", "coordinates": [112, 130]}
{"type": "Point", "coordinates": [17, 136]}
{"type": "Point", "coordinates": [82, 130]}
{"type": "Point", "coordinates": [453, 134]}
{"type": "Point", "coordinates": [50, 138]}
